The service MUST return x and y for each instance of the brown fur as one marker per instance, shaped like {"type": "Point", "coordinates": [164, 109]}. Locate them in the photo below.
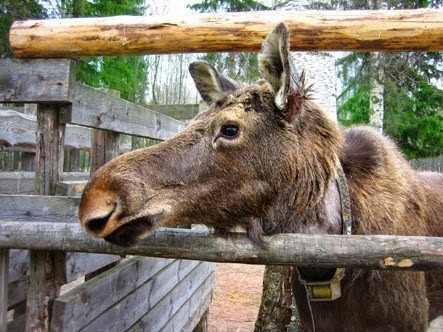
{"type": "Point", "coordinates": [278, 175]}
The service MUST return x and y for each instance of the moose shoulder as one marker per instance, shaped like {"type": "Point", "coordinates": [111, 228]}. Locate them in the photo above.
{"type": "Point", "coordinates": [266, 157]}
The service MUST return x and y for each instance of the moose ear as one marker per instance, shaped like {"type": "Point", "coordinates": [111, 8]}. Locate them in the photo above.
{"type": "Point", "coordinates": [277, 68]}
{"type": "Point", "coordinates": [211, 84]}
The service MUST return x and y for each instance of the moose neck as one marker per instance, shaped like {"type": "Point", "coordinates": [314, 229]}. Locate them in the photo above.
{"type": "Point", "coordinates": [310, 202]}
{"type": "Point", "coordinates": [322, 218]}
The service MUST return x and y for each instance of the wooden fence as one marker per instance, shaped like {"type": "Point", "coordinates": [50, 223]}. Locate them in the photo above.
{"type": "Point", "coordinates": [134, 294]}
{"type": "Point", "coordinates": [72, 117]}
{"type": "Point", "coordinates": [428, 164]}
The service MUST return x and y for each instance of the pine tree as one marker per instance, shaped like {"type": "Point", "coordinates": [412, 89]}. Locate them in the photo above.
{"type": "Point", "coordinates": [413, 104]}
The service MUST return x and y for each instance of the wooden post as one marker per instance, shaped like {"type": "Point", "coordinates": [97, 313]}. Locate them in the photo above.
{"type": "Point", "coordinates": [4, 271]}
{"type": "Point", "coordinates": [46, 268]}
{"type": "Point", "coordinates": [104, 147]}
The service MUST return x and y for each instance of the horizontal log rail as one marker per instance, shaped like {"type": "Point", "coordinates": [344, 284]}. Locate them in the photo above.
{"type": "Point", "coordinates": [393, 30]}
{"type": "Point", "coordinates": [374, 251]}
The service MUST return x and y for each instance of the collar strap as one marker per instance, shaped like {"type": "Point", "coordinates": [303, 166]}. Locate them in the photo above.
{"type": "Point", "coordinates": [330, 290]}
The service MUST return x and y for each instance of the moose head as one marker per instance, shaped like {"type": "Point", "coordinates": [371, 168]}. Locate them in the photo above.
{"type": "Point", "coordinates": [258, 156]}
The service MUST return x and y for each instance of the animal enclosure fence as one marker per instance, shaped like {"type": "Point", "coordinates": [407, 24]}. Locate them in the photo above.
{"type": "Point", "coordinates": [46, 224]}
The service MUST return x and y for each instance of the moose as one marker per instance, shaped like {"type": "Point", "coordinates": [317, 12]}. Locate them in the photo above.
{"type": "Point", "coordinates": [266, 158]}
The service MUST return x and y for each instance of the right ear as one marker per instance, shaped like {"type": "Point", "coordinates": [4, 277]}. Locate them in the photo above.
{"type": "Point", "coordinates": [210, 83]}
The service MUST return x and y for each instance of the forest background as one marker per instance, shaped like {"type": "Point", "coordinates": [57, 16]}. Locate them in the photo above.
{"type": "Point", "coordinates": [398, 92]}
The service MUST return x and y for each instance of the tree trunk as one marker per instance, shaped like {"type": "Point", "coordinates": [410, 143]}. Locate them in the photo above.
{"type": "Point", "coordinates": [376, 99]}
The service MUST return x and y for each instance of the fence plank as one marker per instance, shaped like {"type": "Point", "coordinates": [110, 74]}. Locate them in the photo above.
{"type": "Point", "coordinates": [79, 264]}
{"type": "Point", "coordinates": [94, 108]}
{"type": "Point", "coordinates": [176, 302]}
{"type": "Point", "coordinates": [38, 80]}
{"type": "Point", "coordinates": [17, 325]}
{"type": "Point", "coordinates": [71, 310]}
{"type": "Point", "coordinates": [18, 264]}
{"type": "Point", "coordinates": [366, 251]}
{"type": "Point", "coordinates": [188, 316]}
{"type": "Point", "coordinates": [17, 292]}
{"type": "Point", "coordinates": [126, 312]}
{"type": "Point", "coordinates": [23, 182]}
{"type": "Point", "coordinates": [35, 207]}
{"type": "Point", "coordinates": [18, 130]}
{"type": "Point", "coordinates": [4, 272]}
{"type": "Point", "coordinates": [103, 291]}
{"type": "Point", "coordinates": [224, 32]}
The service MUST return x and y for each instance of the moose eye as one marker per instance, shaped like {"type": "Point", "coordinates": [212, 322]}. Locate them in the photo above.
{"type": "Point", "coordinates": [229, 130]}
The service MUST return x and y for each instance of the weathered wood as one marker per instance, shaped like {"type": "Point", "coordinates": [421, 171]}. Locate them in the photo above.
{"type": "Point", "coordinates": [72, 312]}
{"type": "Point", "coordinates": [4, 272]}
{"type": "Point", "coordinates": [175, 306]}
{"type": "Point", "coordinates": [79, 264]}
{"type": "Point", "coordinates": [198, 322]}
{"type": "Point", "coordinates": [365, 251]}
{"type": "Point", "coordinates": [126, 312]}
{"type": "Point", "coordinates": [17, 325]}
{"type": "Point", "coordinates": [18, 264]}
{"type": "Point", "coordinates": [36, 208]}
{"type": "Point", "coordinates": [419, 29]}
{"type": "Point", "coordinates": [70, 188]}
{"type": "Point", "coordinates": [94, 108]}
{"type": "Point", "coordinates": [39, 80]}
{"type": "Point", "coordinates": [46, 268]}
{"type": "Point", "coordinates": [17, 292]}
{"type": "Point", "coordinates": [18, 130]}
{"type": "Point", "coordinates": [104, 147]}
{"type": "Point", "coordinates": [23, 182]}
{"type": "Point", "coordinates": [187, 317]}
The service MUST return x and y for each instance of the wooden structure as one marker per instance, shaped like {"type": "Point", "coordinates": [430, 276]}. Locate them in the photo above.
{"type": "Point", "coordinates": [70, 117]}
{"type": "Point", "coordinates": [151, 293]}
{"type": "Point", "coordinates": [390, 30]}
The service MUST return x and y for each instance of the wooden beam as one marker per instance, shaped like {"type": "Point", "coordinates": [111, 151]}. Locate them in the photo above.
{"type": "Point", "coordinates": [365, 251]}
{"type": "Point", "coordinates": [23, 182]}
{"type": "Point", "coordinates": [387, 30]}
{"type": "Point", "coordinates": [18, 129]}
{"type": "Point", "coordinates": [39, 80]}
{"type": "Point", "coordinates": [29, 208]}
{"type": "Point", "coordinates": [97, 109]}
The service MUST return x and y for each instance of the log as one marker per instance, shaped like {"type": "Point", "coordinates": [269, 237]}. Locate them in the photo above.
{"type": "Point", "coordinates": [362, 251]}
{"type": "Point", "coordinates": [393, 30]}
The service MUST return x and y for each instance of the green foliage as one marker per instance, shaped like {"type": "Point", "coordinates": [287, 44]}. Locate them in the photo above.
{"type": "Point", "coordinates": [207, 6]}
{"type": "Point", "coordinates": [127, 74]}
{"type": "Point", "coordinates": [12, 10]}
{"type": "Point", "coordinates": [241, 66]}
{"type": "Point", "coordinates": [413, 113]}
{"type": "Point", "coordinates": [413, 106]}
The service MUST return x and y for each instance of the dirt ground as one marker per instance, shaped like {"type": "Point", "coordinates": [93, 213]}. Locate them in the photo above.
{"type": "Point", "coordinates": [237, 295]}
{"type": "Point", "coordinates": [236, 300]}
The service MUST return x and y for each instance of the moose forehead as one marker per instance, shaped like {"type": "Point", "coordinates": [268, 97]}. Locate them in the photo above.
{"type": "Point", "coordinates": [256, 98]}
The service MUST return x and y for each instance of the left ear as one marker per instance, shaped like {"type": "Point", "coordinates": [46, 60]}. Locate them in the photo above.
{"type": "Point", "coordinates": [277, 68]}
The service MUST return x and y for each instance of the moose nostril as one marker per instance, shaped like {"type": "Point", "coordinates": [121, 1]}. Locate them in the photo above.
{"type": "Point", "coordinates": [97, 225]}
